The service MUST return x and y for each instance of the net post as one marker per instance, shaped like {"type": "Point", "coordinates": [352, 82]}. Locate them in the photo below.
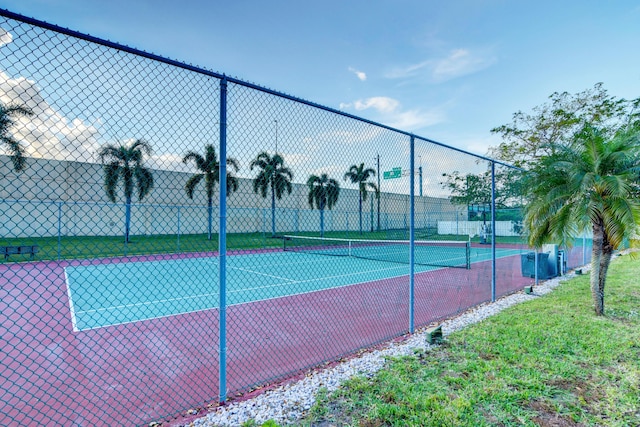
{"type": "Point", "coordinates": [222, 242]}
{"type": "Point", "coordinates": [412, 236]}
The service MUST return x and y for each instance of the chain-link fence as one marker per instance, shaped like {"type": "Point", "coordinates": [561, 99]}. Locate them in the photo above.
{"type": "Point", "coordinates": [132, 291]}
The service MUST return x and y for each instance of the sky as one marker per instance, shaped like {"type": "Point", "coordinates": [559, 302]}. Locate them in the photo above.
{"type": "Point", "coordinates": [449, 71]}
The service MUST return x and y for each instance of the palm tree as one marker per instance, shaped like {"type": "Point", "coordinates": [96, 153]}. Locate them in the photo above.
{"type": "Point", "coordinates": [274, 175]}
{"type": "Point", "coordinates": [591, 183]}
{"type": "Point", "coordinates": [125, 163]}
{"type": "Point", "coordinates": [323, 192]}
{"type": "Point", "coordinates": [16, 151]}
{"type": "Point", "coordinates": [210, 171]}
{"type": "Point", "coordinates": [359, 175]}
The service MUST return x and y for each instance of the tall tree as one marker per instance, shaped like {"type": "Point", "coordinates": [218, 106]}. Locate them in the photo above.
{"type": "Point", "coordinates": [272, 175]}
{"type": "Point", "coordinates": [472, 189]}
{"type": "Point", "coordinates": [359, 175]}
{"type": "Point", "coordinates": [209, 169]}
{"type": "Point", "coordinates": [591, 183]}
{"type": "Point", "coordinates": [551, 125]}
{"type": "Point", "coordinates": [323, 193]}
{"type": "Point", "coordinates": [469, 188]}
{"type": "Point", "coordinates": [16, 151]}
{"type": "Point", "coordinates": [124, 163]}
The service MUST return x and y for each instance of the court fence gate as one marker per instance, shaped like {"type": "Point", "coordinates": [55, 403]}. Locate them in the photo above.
{"type": "Point", "coordinates": [133, 289]}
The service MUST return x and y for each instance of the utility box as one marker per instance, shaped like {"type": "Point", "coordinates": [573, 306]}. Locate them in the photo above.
{"type": "Point", "coordinates": [562, 263]}
{"type": "Point", "coordinates": [552, 261]}
{"type": "Point", "coordinates": [528, 265]}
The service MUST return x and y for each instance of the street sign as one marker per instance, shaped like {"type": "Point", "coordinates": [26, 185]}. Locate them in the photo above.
{"type": "Point", "coordinates": [393, 173]}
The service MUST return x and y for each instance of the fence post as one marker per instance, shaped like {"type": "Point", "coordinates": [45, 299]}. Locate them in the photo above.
{"type": "Point", "coordinates": [59, 228]}
{"type": "Point", "coordinates": [222, 241]}
{"type": "Point", "coordinates": [178, 229]}
{"type": "Point", "coordinates": [493, 231]}
{"type": "Point", "coordinates": [535, 266]}
{"type": "Point", "coordinates": [347, 215]}
{"type": "Point", "coordinates": [412, 191]}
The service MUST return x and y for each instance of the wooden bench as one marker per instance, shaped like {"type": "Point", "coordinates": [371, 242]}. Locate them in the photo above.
{"type": "Point", "coordinates": [31, 250]}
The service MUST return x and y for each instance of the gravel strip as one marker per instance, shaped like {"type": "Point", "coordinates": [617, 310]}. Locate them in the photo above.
{"type": "Point", "coordinates": [289, 402]}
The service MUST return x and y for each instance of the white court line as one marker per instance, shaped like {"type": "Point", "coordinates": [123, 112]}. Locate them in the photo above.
{"type": "Point", "coordinates": [145, 303]}
{"type": "Point", "coordinates": [138, 304]}
{"type": "Point", "coordinates": [71, 308]}
{"type": "Point", "coordinates": [291, 281]}
{"type": "Point", "coordinates": [261, 274]}
{"type": "Point", "coordinates": [323, 278]}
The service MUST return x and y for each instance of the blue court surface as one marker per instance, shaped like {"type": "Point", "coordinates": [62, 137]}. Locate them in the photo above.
{"type": "Point", "coordinates": [124, 292]}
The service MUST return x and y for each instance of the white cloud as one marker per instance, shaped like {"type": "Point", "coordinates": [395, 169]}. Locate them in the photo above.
{"type": "Point", "coordinates": [5, 37]}
{"type": "Point", "coordinates": [48, 134]}
{"type": "Point", "coordinates": [389, 111]}
{"type": "Point", "coordinates": [171, 162]}
{"type": "Point", "coordinates": [407, 71]}
{"type": "Point", "coordinates": [416, 119]}
{"type": "Point", "coordinates": [460, 62]}
{"type": "Point", "coordinates": [296, 159]}
{"type": "Point", "coordinates": [382, 104]}
{"type": "Point", "coordinates": [478, 144]}
{"type": "Point", "coordinates": [359, 74]}
{"type": "Point", "coordinates": [457, 63]}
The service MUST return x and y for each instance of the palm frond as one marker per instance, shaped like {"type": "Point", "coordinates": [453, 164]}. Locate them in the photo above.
{"type": "Point", "coordinates": [232, 183]}
{"type": "Point", "coordinates": [196, 158]}
{"type": "Point", "coordinates": [111, 177]}
{"type": "Point", "coordinates": [110, 153]}
{"type": "Point", "coordinates": [142, 146]}
{"type": "Point", "coordinates": [261, 161]}
{"type": "Point", "coordinates": [192, 182]}
{"type": "Point", "coordinates": [16, 153]}
{"type": "Point", "coordinates": [591, 181]}
{"type": "Point", "coordinates": [233, 163]}
{"type": "Point", "coordinates": [144, 179]}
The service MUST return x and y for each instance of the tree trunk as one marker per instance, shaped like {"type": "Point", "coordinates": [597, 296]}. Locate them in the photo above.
{"type": "Point", "coordinates": [371, 214]}
{"type": "Point", "coordinates": [210, 217]}
{"type": "Point", "coordinates": [360, 211]}
{"type": "Point", "coordinates": [273, 210]}
{"type": "Point", "coordinates": [605, 261]}
{"type": "Point", "coordinates": [597, 263]}
{"type": "Point", "coordinates": [127, 220]}
{"type": "Point", "coordinates": [321, 222]}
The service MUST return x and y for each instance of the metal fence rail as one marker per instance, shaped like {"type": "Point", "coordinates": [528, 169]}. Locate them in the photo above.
{"type": "Point", "coordinates": [157, 199]}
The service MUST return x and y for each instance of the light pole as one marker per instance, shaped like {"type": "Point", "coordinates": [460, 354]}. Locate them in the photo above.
{"type": "Point", "coordinates": [420, 174]}
{"type": "Point", "coordinates": [276, 122]}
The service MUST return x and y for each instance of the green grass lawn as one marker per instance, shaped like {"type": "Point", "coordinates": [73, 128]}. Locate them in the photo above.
{"type": "Point", "coordinates": [89, 247]}
{"type": "Point", "coordinates": [547, 362]}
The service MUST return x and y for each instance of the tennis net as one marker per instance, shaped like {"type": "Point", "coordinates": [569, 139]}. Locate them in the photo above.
{"type": "Point", "coordinates": [438, 253]}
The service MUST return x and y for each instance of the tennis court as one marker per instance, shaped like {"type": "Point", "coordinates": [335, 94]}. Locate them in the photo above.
{"type": "Point", "coordinates": [112, 294]}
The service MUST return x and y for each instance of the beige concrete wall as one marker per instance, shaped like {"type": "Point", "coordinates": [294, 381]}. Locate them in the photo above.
{"type": "Point", "coordinates": [51, 196]}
